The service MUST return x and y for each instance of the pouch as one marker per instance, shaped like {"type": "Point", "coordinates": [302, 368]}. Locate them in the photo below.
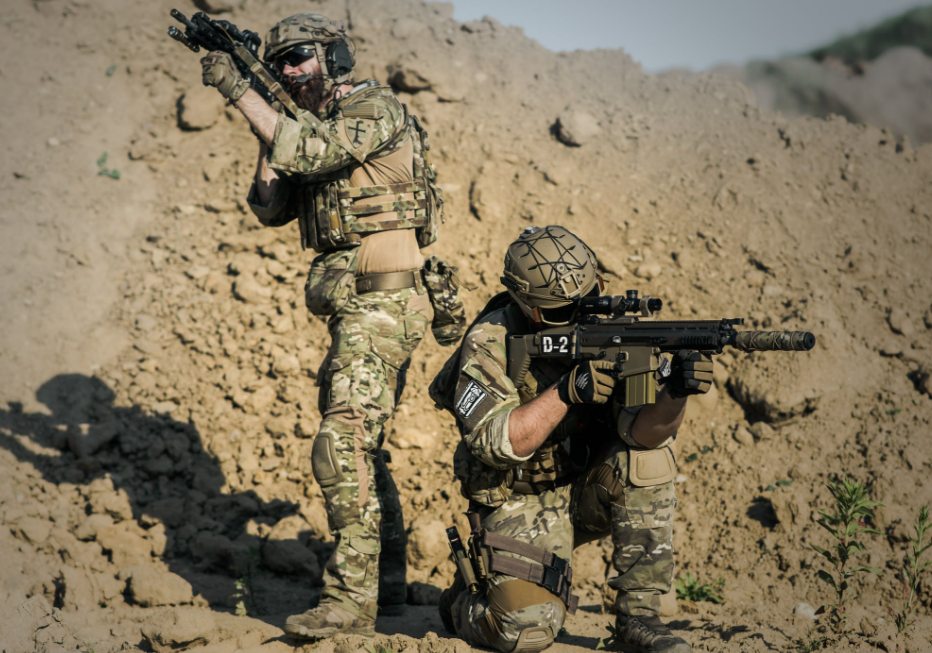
{"type": "Point", "coordinates": [331, 282]}
{"type": "Point", "coordinates": [443, 288]}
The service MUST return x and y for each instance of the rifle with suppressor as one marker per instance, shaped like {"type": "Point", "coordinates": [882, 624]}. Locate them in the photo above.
{"type": "Point", "coordinates": [610, 328]}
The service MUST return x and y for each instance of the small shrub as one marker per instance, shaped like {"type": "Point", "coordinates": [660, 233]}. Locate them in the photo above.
{"type": "Point", "coordinates": [846, 524]}
{"type": "Point", "coordinates": [248, 570]}
{"type": "Point", "coordinates": [690, 589]}
{"type": "Point", "coordinates": [913, 568]}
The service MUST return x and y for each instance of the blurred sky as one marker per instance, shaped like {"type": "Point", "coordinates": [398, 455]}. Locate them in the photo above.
{"type": "Point", "coordinates": [695, 34]}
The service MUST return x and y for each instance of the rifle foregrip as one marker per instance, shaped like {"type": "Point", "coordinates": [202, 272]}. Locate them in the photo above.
{"type": "Point", "coordinates": [774, 341]}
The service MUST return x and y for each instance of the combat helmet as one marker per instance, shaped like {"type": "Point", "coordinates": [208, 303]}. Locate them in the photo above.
{"type": "Point", "coordinates": [547, 271]}
{"type": "Point", "coordinates": [335, 50]}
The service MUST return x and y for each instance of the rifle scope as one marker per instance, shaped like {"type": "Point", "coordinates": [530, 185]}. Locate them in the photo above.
{"type": "Point", "coordinates": [618, 305]}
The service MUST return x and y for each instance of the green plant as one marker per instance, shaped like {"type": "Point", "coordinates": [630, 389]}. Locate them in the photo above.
{"type": "Point", "coordinates": [378, 648]}
{"type": "Point", "coordinates": [607, 642]}
{"type": "Point", "coordinates": [248, 570]}
{"type": "Point", "coordinates": [690, 589]}
{"type": "Point", "coordinates": [113, 173]}
{"type": "Point", "coordinates": [812, 643]}
{"type": "Point", "coordinates": [853, 509]}
{"type": "Point", "coordinates": [913, 568]}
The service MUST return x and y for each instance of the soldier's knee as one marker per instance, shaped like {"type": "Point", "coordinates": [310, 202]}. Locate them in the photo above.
{"type": "Point", "coordinates": [333, 438]}
{"type": "Point", "coordinates": [522, 617]}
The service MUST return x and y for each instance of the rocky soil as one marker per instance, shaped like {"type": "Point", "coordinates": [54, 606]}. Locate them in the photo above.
{"type": "Point", "coordinates": [158, 365]}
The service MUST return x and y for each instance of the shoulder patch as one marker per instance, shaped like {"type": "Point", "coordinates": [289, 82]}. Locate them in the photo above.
{"type": "Point", "coordinates": [358, 132]}
{"type": "Point", "coordinates": [362, 110]}
{"type": "Point", "coordinates": [472, 396]}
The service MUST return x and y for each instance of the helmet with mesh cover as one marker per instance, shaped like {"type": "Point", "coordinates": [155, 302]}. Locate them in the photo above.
{"type": "Point", "coordinates": [547, 271]}
{"type": "Point", "coordinates": [320, 32]}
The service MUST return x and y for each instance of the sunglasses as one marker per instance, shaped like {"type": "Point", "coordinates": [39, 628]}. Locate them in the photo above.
{"type": "Point", "coordinates": [294, 58]}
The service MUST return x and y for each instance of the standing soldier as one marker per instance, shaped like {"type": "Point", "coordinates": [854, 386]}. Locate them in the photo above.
{"type": "Point", "coordinates": [360, 184]}
{"type": "Point", "coordinates": [551, 460]}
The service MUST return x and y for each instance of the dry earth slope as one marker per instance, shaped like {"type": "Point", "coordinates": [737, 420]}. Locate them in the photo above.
{"type": "Point", "coordinates": [148, 495]}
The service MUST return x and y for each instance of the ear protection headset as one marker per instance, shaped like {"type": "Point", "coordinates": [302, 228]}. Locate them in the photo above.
{"type": "Point", "coordinates": [339, 59]}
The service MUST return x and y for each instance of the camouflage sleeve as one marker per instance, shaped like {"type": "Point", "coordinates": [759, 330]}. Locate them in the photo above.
{"type": "Point", "coordinates": [485, 397]}
{"type": "Point", "coordinates": [272, 214]}
{"type": "Point", "coordinates": [364, 130]}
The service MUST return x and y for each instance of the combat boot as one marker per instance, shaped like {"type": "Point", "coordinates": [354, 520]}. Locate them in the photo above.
{"type": "Point", "coordinates": [326, 620]}
{"type": "Point", "coordinates": [647, 635]}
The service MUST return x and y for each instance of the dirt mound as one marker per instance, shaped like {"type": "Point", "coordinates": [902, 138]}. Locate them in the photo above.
{"type": "Point", "coordinates": [157, 461]}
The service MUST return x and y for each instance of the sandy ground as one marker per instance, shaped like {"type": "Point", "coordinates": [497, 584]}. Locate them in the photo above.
{"type": "Point", "coordinates": [157, 395]}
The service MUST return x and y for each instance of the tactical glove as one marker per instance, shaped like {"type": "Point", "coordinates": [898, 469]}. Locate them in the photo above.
{"type": "Point", "coordinates": [219, 71]}
{"type": "Point", "coordinates": [690, 373]}
{"type": "Point", "coordinates": [590, 382]}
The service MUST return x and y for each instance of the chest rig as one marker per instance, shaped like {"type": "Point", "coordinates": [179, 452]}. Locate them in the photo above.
{"type": "Point", "coordinates": [328, 210]}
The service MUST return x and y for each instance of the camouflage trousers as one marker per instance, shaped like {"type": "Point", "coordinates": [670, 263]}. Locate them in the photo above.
{"type": "Point", "coordinates": [516, 615]}
{"type": "Point", "coordinates": [361, 382]}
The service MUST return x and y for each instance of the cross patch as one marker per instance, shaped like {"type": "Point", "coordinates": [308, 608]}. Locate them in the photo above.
{"type": "Point", "coordinates": [358, 132]}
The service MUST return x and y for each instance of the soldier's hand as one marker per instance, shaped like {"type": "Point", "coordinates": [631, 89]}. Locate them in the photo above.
{"type": "Point", "coordinates": [219, 71]}
{"type": "Point", "coordinates": [590, 382]}
{"type": "Point", "coordinates": [690, 373]}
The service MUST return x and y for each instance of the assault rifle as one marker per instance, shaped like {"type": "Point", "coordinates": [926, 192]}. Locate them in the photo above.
{"type": "Point", "coordinates": [609, 328]}
{"type": "Point", "coordinates": [201, 31]}
{"type": "Point", "coordinates": [221, 35]}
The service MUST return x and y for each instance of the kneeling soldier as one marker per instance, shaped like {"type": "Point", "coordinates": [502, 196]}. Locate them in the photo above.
{"type": "Point", "coordinates": [553, 460]}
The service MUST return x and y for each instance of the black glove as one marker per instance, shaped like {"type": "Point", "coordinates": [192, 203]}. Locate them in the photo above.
{"type": "Point", "coordinates": [590, 382]}
{"type": "Point", "coordinates": [690, 373]}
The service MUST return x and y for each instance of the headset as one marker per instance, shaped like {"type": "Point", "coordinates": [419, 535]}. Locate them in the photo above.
{"type": "Point", "coordinates": [339, 59]}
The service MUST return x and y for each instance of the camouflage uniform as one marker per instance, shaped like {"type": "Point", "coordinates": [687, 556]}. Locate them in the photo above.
{"type": "Point", "coordinates": [373, 335]}
{"type": "Point", "coordinates": [592, 496]}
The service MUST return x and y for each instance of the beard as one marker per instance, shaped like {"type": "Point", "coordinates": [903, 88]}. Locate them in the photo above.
{"type": "Point", "coordinates": [310, 95]}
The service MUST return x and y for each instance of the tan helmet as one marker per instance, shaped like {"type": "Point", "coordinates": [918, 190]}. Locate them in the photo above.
{"type": "Point", "coordinates": [547, 270]}
{"type": "Point", "coordinates": [336, 51]}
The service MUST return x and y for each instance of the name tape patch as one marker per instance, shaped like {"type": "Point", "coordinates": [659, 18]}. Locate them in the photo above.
{"type": "Point", "coordinates": [471, 398]}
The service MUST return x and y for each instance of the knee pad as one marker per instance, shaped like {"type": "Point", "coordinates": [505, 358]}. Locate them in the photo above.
{"type": "Point", "coordinates": [534, 639]}
{"type": "Point", "coordinates": [324, 461]}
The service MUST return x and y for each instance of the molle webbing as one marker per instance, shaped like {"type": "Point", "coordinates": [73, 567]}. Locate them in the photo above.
{"type": "Point", "coordinates": [406, 196]}
{"type": "Point", "coordinates": [548, 570]}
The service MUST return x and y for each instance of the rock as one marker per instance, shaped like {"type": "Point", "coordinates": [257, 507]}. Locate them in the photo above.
{"type": "Point", "coordinates": [82, 589]}
{"type": "Point", "coordinates": [575, 127]}
{"type": "Point", "coordinates": [648, 271]}
{"type": "Point", "coordinates": [150, 587]}
{"type": "Point", "coordinates": [867, 628]}
{"type": "Point", "coordinates": [216, 6]}
{"type": "Point", "coordinates": [761, 431]}
{"type": "Point", "coordinates": [248, 290]}
{"type": "Point", "coordinates": [179, 628]}
{"type": "Point", "coordinates": [37, 626]}
{"type": "Point", "coordinates": [775, 390]}
{"type": "Point", "coordinates": [423, 594]}
{"type": "Point", "coordinates": [88, 438]}
{"type": "Point", "coordinates": [170, 512]}
{"type": "Point", "coordinates": [34, 530]}
{"type": "Point", "coordinates": [286, 364]}
{"type": "Point", "coordinates": [427, 543]}
{"type": "Point", "coordinates": [126, 546]}
{"type": "Point", "coordinates": [900, 323]}
{"type": "Point", "coordinates": [291, 557]}
{"type": "Point", "coordinates": [114, 503]}
{"type": "Point", "coordinates": [91, 526]}
{"type": "Point", "coordinates": [805, 610]}
{"type": "Point", "coordinates": [743, 436]}
{"type": "Point", "coordinates": [199, 108]}
{"type": "Point", "coordinates": [927, 319]}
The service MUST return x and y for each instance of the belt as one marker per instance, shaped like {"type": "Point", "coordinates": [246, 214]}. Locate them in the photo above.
{"type": "Point", "coordinates": [387, 281]}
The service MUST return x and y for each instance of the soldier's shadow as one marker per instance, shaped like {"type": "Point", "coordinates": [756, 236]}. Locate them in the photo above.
{"type": "Point", "coordinates": [159, 493]}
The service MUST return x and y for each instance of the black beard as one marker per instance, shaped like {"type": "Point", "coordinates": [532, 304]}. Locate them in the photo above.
{"type": "Point", "coordinates": [310, 95]}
